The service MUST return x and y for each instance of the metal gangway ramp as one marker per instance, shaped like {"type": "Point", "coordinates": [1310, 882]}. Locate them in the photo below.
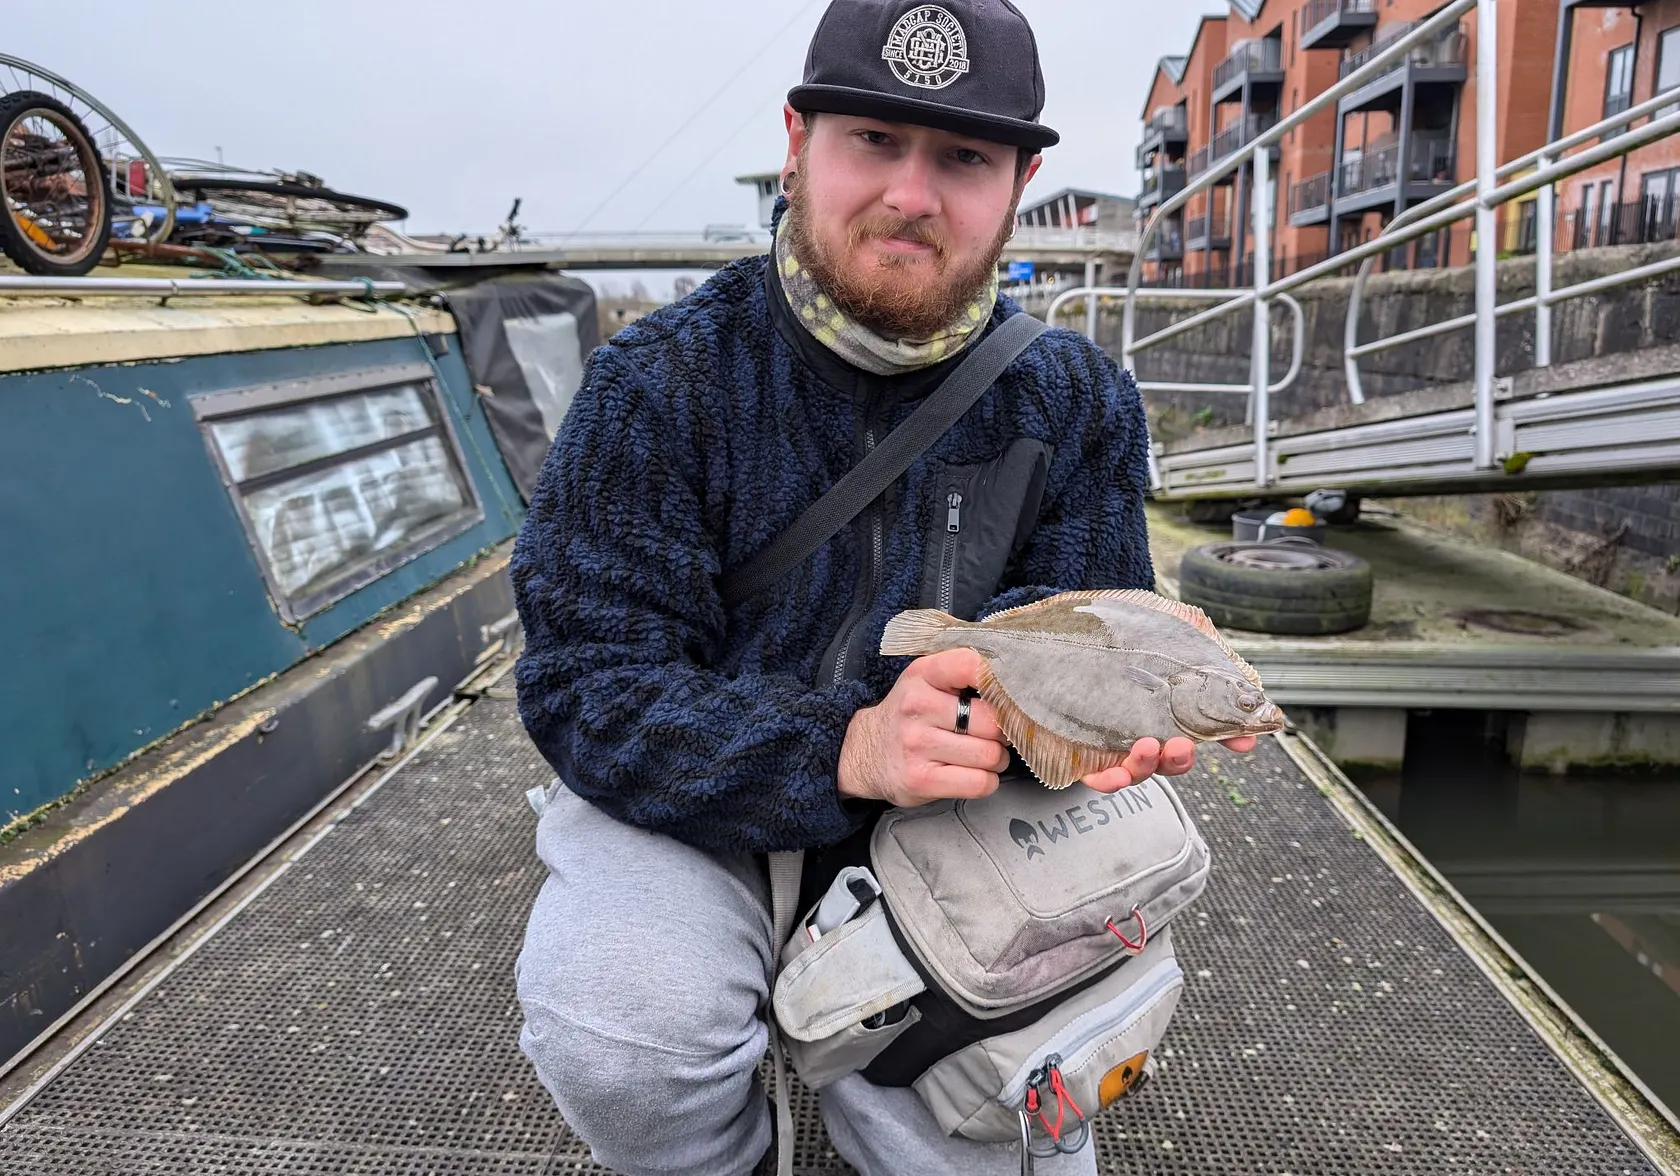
{"type": "Point", "coordinates": [1610, 420]}
{"type": "Point", "coordinates": [350, 1007]}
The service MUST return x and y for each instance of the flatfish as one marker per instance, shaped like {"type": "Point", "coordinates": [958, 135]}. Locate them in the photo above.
{"type": "Point", "coordinates": [1078, 678]}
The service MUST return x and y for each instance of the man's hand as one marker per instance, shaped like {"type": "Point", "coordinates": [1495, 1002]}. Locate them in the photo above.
{"type": "Point", "coordinates": [905, 749]}
{"type": "Point", "coordinates": [1149, 757]}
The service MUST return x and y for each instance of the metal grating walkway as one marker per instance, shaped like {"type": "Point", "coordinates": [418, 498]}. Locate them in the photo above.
{"type": "Point", "coordinates": [358, 1016]}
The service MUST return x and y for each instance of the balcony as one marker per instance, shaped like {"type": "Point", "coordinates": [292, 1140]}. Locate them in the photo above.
{"type": "Point", "coordinates": [1241, 133]}
{"type": "Point", "coordinates": [1161, 183]}
{"type": "Point", "coordinates": [1442, 61]}
{"type": "Point", "coordinates": [1168, 129]}
{"type": "Point", "coordinates": [1309, 201]}
{"type": "Point", "coordinates": [1252, 63]}
{"type": "Point", "coordinates": [1199, 159]}
{"type": "Point", "coordinates": [1167, 244]}
{"type": "Point", "coordinates": [1375, 178]}
{"type": "Point", "coordinates": [1334, 24]}
{"type": "Point", "coordinates": [1208, 232]}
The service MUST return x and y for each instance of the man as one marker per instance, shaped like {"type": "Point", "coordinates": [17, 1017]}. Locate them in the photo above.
{"type": "Point", "coordinates": [691, 738]}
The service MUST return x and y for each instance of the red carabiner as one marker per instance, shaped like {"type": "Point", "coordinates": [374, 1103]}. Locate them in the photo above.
{"type": "Point", "coordinates": [1143, 933]}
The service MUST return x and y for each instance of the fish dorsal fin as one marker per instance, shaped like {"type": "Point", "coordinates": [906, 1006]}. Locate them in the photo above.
{"type": "Point", "coordinates": [1188, 613]}
{"type": "Point", "coordinates": [1057, 762]}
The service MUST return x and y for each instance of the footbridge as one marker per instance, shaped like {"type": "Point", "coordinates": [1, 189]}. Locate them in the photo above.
{"type": "Point", "coordinates": [1046, 247]}
{"type": "Point", "coordinates": [1608, 420]}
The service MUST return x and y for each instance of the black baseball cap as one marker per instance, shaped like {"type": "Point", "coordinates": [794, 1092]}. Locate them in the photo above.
{"type": "Point", "coordinates": [967, 66]}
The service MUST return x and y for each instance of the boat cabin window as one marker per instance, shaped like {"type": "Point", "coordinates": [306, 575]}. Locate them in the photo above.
{"type": "Point", "coordinates": [339, 479]}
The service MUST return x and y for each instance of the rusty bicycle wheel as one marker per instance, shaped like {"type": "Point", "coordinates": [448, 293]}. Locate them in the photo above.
{"type": "Point", "coordinates": [55, 207]}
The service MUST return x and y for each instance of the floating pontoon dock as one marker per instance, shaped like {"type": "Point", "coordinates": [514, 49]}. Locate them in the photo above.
{"type": "Point", "coordinates": [1456, 624]}
{"type": "Point", "coordinates": [350, 1006]}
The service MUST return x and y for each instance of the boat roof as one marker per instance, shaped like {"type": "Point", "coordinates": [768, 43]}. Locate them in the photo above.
{"type": "Point", "coordinates": [39, 332]}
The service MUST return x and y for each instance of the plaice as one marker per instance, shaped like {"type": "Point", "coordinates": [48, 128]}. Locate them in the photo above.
{"type": "Point", "coordinates": [1077, 679]}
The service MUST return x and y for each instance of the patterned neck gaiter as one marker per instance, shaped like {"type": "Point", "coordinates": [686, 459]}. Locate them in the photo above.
{"type": "Point", "coordinates": [862, 347]}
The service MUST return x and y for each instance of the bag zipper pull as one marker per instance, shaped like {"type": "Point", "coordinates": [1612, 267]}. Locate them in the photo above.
{"type": "Point", "coordinates": [953, 514]}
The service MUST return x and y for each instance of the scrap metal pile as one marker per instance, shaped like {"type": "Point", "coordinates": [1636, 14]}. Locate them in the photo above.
{"type": "Point", "coordinates": [78, 187]}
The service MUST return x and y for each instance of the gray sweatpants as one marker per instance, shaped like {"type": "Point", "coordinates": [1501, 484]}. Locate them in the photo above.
{"type": "Point", "coordinates": [643, 975]}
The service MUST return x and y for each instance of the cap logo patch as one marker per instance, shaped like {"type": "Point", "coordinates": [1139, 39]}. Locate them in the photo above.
{"type": "Point", "coordinates": [927, 48]}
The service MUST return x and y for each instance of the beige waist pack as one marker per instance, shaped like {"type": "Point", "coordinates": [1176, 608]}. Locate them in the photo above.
{"type": "Point", "coordinates": [1010, 958]}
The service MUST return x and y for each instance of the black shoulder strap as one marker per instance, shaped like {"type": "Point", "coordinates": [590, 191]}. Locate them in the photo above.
{"type": "Point", "coordinates": [881, 467]}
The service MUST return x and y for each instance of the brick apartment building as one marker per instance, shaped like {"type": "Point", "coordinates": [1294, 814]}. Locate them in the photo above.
{"type": "Point", "coordinates": [1402, 138]}
{"type": "Point", "coordinates": [1611, 56]}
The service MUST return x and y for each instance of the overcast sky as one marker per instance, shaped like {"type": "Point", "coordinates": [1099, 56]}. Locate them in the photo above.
{"type": "Point", "coordinates": [453, 109]}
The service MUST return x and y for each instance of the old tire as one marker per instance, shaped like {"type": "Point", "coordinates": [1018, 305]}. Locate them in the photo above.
{"type": "Point", "coordinates": [1295, 588]}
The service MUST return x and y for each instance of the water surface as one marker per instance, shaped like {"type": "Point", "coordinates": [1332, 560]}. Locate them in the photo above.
{"type": "Point", "coordinates": [1581, 875]}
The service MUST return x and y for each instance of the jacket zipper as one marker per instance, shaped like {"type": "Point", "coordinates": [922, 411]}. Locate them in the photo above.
{"type": "Point", "coordinates": [948, 556]}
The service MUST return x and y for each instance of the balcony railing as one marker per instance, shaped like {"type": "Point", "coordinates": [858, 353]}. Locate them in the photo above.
{"type": "Point", "coordinates": [1241, 133]}
{"type": "Point", "coordinates": [1198, 228]}
{"type": "Point", "coordinates": [1162, 182]}
{"type": "Point", "coordinates": [1168, 126]}
{"type": "Point", "coordinates": [1310, 195]}
{"type": "Point", "coordinates": [1318, 12]}
{"type": "Point", "coordinates": [1171, 121]}
{"type": "Point", "coordinates": [1431, 160]}
{"type": "Point", "coordinates": [1635, 223]}
{"type": "Point", "coordinates": [1447, 50]}
{"type": "Point", "coordinates": [1261, 56]}
{"type": "Point", "coordinates": [1199, 161]}
{"type": "Point", "coordinates": [1167, 245]}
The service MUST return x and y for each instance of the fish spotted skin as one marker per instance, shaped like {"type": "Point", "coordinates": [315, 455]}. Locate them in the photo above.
{"type": "Point", "coordinates": [1079, 678]}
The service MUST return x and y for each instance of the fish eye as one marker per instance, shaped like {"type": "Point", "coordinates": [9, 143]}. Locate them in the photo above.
{"type": "Point", "coordinates": [1248, 702]}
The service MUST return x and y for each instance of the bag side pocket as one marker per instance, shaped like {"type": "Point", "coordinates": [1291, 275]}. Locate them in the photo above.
{"type": "Point", "coordinates": [827, 994]}
{"type": "Point", "coordinates": [819, 1063]}
{"type": "Point", "coordinates": [1097, 1036]}
{"type": "Point", "coordinates": [849, 975]}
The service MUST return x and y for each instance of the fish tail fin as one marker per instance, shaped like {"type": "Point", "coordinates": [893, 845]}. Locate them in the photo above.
{"type": "Point", "coordinates": [916, 632]}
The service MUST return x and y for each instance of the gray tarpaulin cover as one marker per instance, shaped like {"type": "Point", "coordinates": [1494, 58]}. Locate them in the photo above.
{"type": "Point", "coordinates": [526, 338]}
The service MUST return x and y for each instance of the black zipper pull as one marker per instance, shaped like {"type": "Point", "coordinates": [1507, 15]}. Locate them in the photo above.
{"type": "Point", "coordinates": [953, 515]}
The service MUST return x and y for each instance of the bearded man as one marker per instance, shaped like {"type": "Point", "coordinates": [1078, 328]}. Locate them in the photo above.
{"type": "Point", "coordinates": [691, 736]}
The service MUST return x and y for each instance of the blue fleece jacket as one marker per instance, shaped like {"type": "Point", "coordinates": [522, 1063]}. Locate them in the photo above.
{"type": "Point", "coordinates": [699, 433]}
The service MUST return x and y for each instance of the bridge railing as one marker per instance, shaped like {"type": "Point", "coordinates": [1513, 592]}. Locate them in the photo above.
{"type": "Point", "coordinates": [1548, 162]}
{"type": "Point", "coordinates": [1544, 169]}
{"type": "Point", "coordinates": [1082, 238]}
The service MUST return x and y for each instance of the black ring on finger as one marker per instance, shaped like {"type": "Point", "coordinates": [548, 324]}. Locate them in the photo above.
{"type": "Point", "coordinates": [963, 709]}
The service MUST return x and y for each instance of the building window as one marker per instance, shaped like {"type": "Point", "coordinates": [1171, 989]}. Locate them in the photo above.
{"type": "Point", "coordinates": [1585, 217]}
{"type": "Point", "coordinates": [1668, 68]}
{"type": "Point", "coordinates": [339, 479]}
{"type": "Point", "coordinates": [1618, 81]}
{"type": "Point", "coordinates": [1606, 213]}
{"type": "Point", "coordinates": [1659, 193]}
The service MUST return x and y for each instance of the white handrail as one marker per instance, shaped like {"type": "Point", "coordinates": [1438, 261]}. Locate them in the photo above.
{"type": "Point", "coordinates": [1487, 224]}
{"type": "Point", "coordinates": [1298, 336]}
{"type": "Point", "coordinates": [1399, 231]}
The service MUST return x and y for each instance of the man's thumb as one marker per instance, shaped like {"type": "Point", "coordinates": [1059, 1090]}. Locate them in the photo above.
{"type": "Point", "coordinates": [954, 670]}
